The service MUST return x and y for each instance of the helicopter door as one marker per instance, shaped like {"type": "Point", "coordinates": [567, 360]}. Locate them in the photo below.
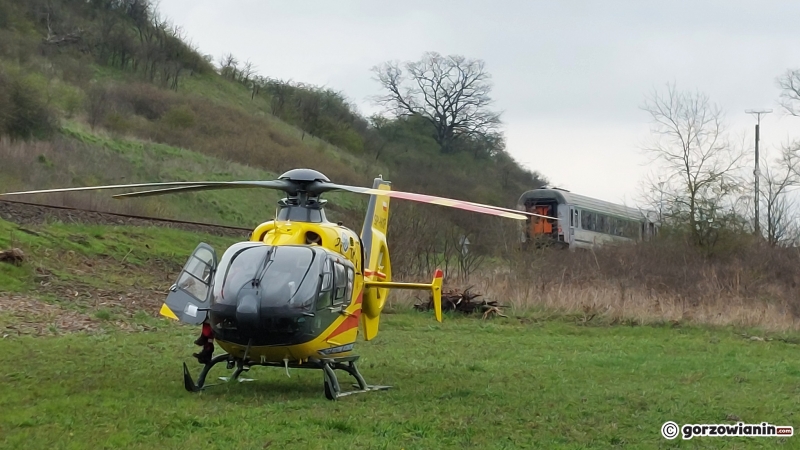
{"type": "Point", "coordinates": [189, 297]}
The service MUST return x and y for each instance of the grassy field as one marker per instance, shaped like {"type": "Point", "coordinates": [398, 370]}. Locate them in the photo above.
{"type": "Point", "coordinates": [534, 380]}
{"type": "Point", "coordinates": [461, 384]}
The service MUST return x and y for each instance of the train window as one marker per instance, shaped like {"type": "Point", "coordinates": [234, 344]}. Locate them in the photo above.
{"type": "Point", "coordinates": [587, 220]}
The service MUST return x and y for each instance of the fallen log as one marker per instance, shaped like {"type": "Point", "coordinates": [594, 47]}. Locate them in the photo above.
{"type": "Point", "coordinates": [464, 302]}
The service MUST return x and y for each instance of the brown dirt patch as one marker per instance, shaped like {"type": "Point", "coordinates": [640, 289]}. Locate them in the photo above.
{"type": "Point", "coordinates": [26, 315]}
{"type": "Point", "coordinates": [29, 316]}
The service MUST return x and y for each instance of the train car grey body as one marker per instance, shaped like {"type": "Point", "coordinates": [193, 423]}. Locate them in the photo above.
{"type": "Point", "coordinates": [583, 222]}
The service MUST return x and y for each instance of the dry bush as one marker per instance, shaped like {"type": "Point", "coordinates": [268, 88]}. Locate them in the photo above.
{"type": "Point", "coordinates": [752, 285]}
{"type": "Point", "coordinates": [140, 99]}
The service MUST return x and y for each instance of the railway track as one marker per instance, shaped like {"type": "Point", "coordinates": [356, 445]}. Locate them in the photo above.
{"type": "Point", "coordinates": [23, 213]}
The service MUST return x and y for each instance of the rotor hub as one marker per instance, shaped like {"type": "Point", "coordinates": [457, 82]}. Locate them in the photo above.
{"type": "Point", "coordinates": [304, 176]}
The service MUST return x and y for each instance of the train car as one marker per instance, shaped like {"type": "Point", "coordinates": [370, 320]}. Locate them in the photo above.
{"type": "Point", "coordinates": [583, 222]}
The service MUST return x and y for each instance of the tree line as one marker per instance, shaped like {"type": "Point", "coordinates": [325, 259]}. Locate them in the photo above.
{"type": "Point", "coordinates": [126, 34]}
{"type": "Point", "coordinates": [704, 184]}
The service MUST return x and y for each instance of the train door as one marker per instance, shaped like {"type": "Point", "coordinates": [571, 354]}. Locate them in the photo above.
{"type": "Point", "coordinates": [573, 223]}
{"type": "Point", "coordinates": [541, 225]}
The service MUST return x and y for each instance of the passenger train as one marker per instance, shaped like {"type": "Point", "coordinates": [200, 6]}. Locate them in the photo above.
{"type": "Point", "coordinates": [583, 222]}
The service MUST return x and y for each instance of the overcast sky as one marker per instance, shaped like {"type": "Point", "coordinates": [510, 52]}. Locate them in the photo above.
{"type": "Point", "coordinates": [569, 76]}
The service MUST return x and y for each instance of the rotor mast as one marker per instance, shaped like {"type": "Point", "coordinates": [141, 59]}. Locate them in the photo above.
{"type": "Point", "coordinates": [300, 205]}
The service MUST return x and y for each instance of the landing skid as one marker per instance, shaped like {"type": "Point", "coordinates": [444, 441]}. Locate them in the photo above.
{"type": "Point", "coordinates": [328, 366]}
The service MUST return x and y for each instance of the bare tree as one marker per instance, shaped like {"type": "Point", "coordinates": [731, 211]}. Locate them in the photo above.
{"type": "Point", "coordinates": [781, 214]}
{"type": "Point", "coordinates": [698, 163]}
{"type": "Point", "coordinates": [248, 71]}
{"type": "Point", "coordinates": [97, 104]}
{"type": "Point", "coordinates": [229, 66]}
{"type": "Point", "coordinates": [452, 93]}
{"type": "Point", "coordinates": [789, 83]}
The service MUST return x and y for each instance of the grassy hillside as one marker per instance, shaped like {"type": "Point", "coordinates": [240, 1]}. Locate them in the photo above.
{"type": "Point", "coordinates": [78, 157]}
{"type": "Point", "coordinates": [110, 76]}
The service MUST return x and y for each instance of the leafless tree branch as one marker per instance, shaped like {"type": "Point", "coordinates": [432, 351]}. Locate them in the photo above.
{"type": "Point", "coordinates": [789, 99]}
{"type": "Point", "coordinates": [698, 162]}
{"type": "Point", "coordinates": [451, 93]}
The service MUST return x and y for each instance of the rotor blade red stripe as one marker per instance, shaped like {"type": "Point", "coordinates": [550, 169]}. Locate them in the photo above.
{"type": "Point", "coordinates": [446, 202]}
{"type": "Point", "coordinates": [453, 203]}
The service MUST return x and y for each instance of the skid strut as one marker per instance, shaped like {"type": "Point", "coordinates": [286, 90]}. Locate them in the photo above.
{"type": "Point", "coordinates": [332, 388]}
{"type": "Point", "coordinates": [328, 366]}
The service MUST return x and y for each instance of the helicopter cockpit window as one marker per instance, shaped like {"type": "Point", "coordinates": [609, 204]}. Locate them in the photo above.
{"type": "Point", "coordinates": [224, 264]}
{"type": "Point", "coordinates": [298, 214]}
{"type": "Point", "coordinates": [289, 279]}
{"type": "Point", "coordinates": [343, 281]}
{"type": "Point", "coordinates": [350, 276]}
{"type": "Point", "coordinates": [326, 288]}
{"type": "Point", "coordinates": [284, 276]}
{"type": "Point", "coordinates": [241, 269]}
{"type": "Point", "coordinates": [196, 276]}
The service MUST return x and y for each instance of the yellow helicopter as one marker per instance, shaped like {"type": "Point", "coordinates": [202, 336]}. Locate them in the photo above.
{"type": "Point", "coordinates": [293, 295]}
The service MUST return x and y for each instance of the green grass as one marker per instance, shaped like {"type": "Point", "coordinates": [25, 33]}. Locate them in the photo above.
{"type": "Point", "coordinates": [461, 384]}
{"type": "Point", "coordinates": [152, 162]}
{"type": "Point", "coordinates": [117, 257]}
{"type": "Point", "coordinates": [505, 383]}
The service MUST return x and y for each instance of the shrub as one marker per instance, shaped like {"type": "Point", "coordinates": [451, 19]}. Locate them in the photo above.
{"type": "Point", "coordinates": [117, 123]}
{"type": "Point", "coordinates": [180, 117]}
{"type": "Point", "coordinates": [24, 112]}
{"type": "Point", "coordinates": [141, 99]}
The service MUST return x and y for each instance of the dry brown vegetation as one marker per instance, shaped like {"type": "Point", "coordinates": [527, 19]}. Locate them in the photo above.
{"type": "Point", "coordinates": [665, 281]}
{"type": "Point", "coordinates": [58, 163]}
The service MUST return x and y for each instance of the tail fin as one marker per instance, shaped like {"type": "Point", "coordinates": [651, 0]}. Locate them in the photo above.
{"type": "Point", "coordinates": [377, 266]}
{"type": "Point", "coordinates": [376, 222]}
{"type": "Point", "coordinates": [436, 288]}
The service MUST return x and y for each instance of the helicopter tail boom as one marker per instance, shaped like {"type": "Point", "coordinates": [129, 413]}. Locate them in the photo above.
{"type": "Point", "coordinates": [435, 286]}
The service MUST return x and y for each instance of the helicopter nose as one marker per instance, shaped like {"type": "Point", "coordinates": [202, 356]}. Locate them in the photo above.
{"type": "Point", "coordinates": [247, 313]}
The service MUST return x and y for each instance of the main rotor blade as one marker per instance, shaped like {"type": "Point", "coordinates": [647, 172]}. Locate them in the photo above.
{"type": "Point", "coordinates": [280, 185]}
{"type": "Point", "coordinates": [442, 201]}
{"type": "Point", "coordinates": [173, 186]}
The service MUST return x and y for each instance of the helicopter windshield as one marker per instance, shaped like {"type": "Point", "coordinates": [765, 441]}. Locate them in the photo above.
{"type": "Point", "coordinates": [287, 276]}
